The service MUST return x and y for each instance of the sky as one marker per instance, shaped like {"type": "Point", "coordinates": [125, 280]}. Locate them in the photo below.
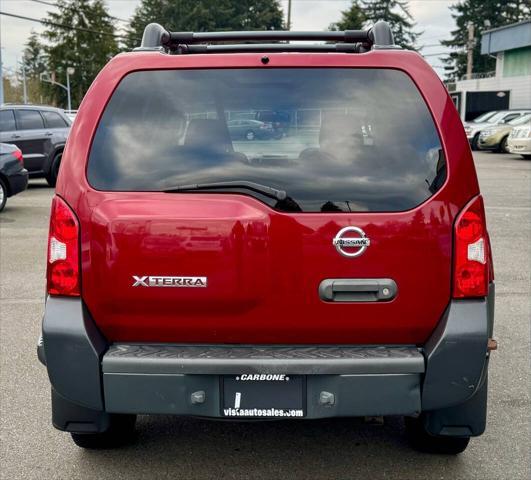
{"type": "Point", "coordinates": [432, 17]}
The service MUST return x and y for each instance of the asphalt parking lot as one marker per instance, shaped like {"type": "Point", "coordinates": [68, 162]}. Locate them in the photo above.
{"type": "Point", "coordinates": [337, 449]}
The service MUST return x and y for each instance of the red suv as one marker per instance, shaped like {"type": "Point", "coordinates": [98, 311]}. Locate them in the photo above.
{"type": "Point", "coordinates": [342, 270]}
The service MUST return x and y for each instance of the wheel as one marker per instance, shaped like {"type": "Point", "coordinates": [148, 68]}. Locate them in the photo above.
{"type": "Point", "coordinates": [503, 145]}
{"type": "Point", "coordinates": [3, 194]}
{"type": "Point", "coordinates": [526, 157]}
{"type": "Point", "coordinates": [51, 177]}
{"type": "Point", "coordinates": [121, 432]}
{"type": "Point", "coordinates": [425, 442]}
{"type": "Point", "coordinates": [250, 135]}
{"type": "Point", "coordinates": [475, 140]}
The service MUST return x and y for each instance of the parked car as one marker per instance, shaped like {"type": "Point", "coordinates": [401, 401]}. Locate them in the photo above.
{"type": "Point", "coordinates": [519, 141]}
{"type": "Point", "coordinates": [473, 129]}
{"type": "Point", "coordinates": [71, 114]}
{"type": "Point", "coordinates": [279, 120]}
{"type": "Point", "coordinates": [250, 130]}
{"type": "Point", "coordinates": [13, 175]}
{"type": "Point", "coordinates": [350, 279]}
{"type": "Point", "coordinates": [40, 132]}
{"type": "Point", "coordinates": [496, 137]}
{"type": "Point", "coordinates": [484, 117]}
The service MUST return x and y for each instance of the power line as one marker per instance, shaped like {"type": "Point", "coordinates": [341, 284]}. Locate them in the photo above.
{"type": "Point", "coordinates": [56, 6]}
{"type": "Point", "coordinates": [44, 3]}
{"type": "Point", "coordinates": [345, 1]}
{"type": "Point", "coordinates": [435, 54]}
{"type": "Point", "coordinates": [60, 25]}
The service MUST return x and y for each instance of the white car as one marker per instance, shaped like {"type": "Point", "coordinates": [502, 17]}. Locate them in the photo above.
{"type": "Point", "coordinates": [473, 129]}
{"type": "Point", "coordinates": [519, 141]}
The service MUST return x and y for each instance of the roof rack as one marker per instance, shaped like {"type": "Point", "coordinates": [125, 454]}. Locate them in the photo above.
{"type": "Point", "coordinates": [157, 38]}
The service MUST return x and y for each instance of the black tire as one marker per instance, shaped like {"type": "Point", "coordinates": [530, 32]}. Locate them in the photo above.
{"type": "Point", "coordinates": [421, 440]}
{"type": "Point", "coordinates": [503, 145]}
{"type": "Point", "coordinates": [475, 140]}
{"type": "Point", "coordinates": [51, 177]}
{"type": "Point", "coordinates": [121, 432]}
{"type": "Point", "coordinates": [250, 135]}
{"type": "Point", "coordinates": [526, 157]}
{"type": "Point", "coordinates": [3, 194]}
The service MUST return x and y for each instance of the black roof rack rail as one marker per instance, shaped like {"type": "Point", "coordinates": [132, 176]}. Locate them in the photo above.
{"type": "Point", "coordinates": [156, 37]}
{"type": "Point", "coordinates": [270, 47]}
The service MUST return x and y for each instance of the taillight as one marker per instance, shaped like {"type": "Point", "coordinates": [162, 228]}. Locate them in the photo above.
{"type": "Point", "coordinates": [18, 155]}
{"type": "Point", "coordinates": [472, 258]}
{"type": "Point", "coordinates": [62, 272]}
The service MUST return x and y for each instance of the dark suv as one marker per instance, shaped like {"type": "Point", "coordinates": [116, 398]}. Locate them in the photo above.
{"type": "Point", "coordinates": [40, 132]}
{"type": "Point", "coordinates": [343, 270]}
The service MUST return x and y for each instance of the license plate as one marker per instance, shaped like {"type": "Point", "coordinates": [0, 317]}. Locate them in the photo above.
{"type": "Point", "coordinates": [263, 396]}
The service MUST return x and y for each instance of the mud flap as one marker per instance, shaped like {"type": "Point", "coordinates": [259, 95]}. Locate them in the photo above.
{"type": "Point", "coordinates": [74, 418]}
{"type": "Point", "coordinates": [466, 420]}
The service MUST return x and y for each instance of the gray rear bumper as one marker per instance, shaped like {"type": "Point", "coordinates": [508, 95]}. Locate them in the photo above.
{"type": "Point", "coordinates": [444, 375]}
{"type": "Point", "coordinates": [164, 378]}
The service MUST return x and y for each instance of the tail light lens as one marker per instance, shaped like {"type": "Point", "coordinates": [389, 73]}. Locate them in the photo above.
{"type": "Point", "coordinates": [63, 251]}
{"type": "Point", "coordinates": [472, 257]}
{"type": "Point", "coordinates": [18, 155]}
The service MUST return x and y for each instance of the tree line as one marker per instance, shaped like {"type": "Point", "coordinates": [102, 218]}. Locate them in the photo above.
{"type": "Point", "coordinates": [94, 36]}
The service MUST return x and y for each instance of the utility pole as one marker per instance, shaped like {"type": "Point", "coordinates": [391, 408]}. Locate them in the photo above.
{"type": "Point", "coordinates": [45, 77]}
{"type": "Point", "coordinates": [69, 71]}
{"type": "Point", "coordinates": [25, 89]}
{"type": "Point", "coordinates": [289, 14]}
{"type": "Point", "coordinates": [470, 50]}
{"type": "Point", "coordinates": [1, 79]}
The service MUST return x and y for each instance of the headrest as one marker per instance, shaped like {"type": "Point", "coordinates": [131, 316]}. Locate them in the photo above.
{"type": "Point", "coordinates": [209, 134]}
{"type": "Point", "coordinates": [340, 131]}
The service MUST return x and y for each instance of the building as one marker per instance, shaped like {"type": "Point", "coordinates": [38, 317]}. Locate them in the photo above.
{"type": "Point", "coordinates": [509, 86]}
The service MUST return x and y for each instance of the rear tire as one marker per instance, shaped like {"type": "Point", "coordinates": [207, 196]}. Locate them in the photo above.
{"type": "Point", "coordinates": [3, 194]}
{"type": "Point", "coordinates": [475, 140]}
{"type": "Point", "coordinates": [526, 157]}
{"type": "Point", "coordinates": [423, 441]}
{"type": "Point", "coordinates": [503, 145]}
{"type": "Point", "coordinates": [121, 432]}
{"type": "Point", "coordinates": [51, 177]}
{"type": "Point", "coordinates": [250, 135]}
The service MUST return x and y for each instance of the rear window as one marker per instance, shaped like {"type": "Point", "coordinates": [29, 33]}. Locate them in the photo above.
{"type": "Point", "coordinates": [335, 140]}
{"type": "Point", "coordinates": [54, 120]}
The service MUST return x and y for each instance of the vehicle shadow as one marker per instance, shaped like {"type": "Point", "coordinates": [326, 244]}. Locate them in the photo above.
{"type": "Point", "coordinates": [337, 448]}
{"type": "Point", "coordinates": [38, 184]}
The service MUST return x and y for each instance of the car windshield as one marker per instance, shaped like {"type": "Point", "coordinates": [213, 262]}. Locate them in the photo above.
{"type": "Point", "coordinates": [484, 117]}
{"type": "Point", "coordinates": [336, 140]}
{"type": "Point", "coordinates": [520, 120]}
{"type": "Point", "coordinates": [497, 118]}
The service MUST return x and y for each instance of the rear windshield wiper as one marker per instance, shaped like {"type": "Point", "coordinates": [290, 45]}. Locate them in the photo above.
{"type": "Point", "coordinates": [255, 187]}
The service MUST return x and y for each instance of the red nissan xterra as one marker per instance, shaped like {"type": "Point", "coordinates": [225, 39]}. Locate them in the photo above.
{"type": "Point", "coordinates": [342, 268]}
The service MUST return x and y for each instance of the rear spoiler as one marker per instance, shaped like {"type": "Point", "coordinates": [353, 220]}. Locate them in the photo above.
{"type": "Point", "coordinates": [157, 38]}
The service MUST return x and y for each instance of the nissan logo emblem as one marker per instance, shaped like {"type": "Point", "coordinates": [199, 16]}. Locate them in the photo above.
{"type": "Point", "coordinates": [351, 241]}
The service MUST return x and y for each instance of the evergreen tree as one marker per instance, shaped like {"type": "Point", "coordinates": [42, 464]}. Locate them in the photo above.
{"type": "Point", "coordinates": [34, 63]}
{"type": "Point", "coordinates": [396, 13]}
{"type": "Point", "coordinates": [484, 15]}
{"type": "Point", "coordinates": [205, 15]}
{"type": "Point", "coordinates": [34, 57]}
{"type": "Point", "coordinates": [351, 19]}
{"type": "Point", "coordinates": [85, 51]}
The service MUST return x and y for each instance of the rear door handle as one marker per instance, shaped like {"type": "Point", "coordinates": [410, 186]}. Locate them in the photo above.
{"type": "Point", "coordinates": [48, 134]}
{"type": "Point", "coordinates": [358, 290]}
{"type": "Point", "coordinates": [15, 136]}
